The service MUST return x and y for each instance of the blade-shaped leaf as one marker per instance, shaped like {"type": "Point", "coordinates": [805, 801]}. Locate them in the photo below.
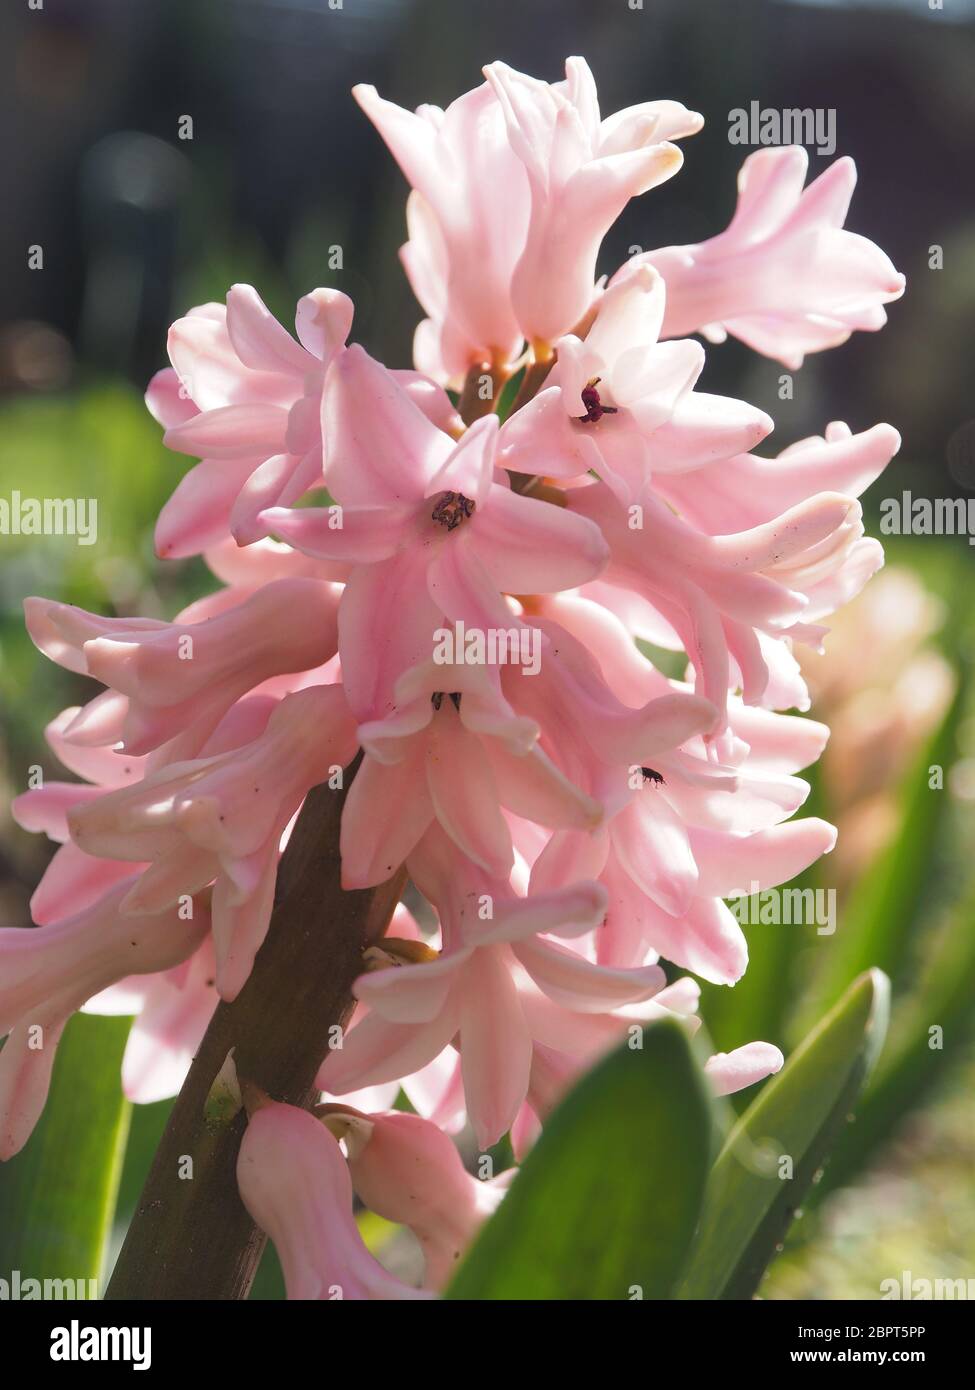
{"type": "Point", "coordinates": [753, 1192]}
{"type": "Point", "coordinates": [57, 1196]}
{"type": "Point", "coordinates": [930, 1036]}
{"type": "Point", "coordinates": [876, 923]}
{"type": "Point", "coordinates": [606, 1203]}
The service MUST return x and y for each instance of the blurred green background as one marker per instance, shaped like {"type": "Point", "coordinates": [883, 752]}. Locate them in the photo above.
{"type": "Point", "coordinates": [136, 225]}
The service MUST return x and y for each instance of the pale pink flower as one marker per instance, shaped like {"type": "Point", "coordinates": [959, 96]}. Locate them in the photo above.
{"type": "Point", "coordinates": [564, 1045]}
{"type": "Point", "coordinates": [295, 1183]}
{"type": "Point", "coordinates": [688, 830]}
{"type": "Point", "coordinates": [582, 171]}
{"type": "Point", "coordinates": [170, 1013]}
{"type": "Point", "coordinates": [464, 741]}
{"type": "Point", "coordinates": [677, 847]}
{"type": "Point", "coordinates": [464, 240]}
{"type": "Point", "coordinates": [623, 404]}
{"type": "Point", "coordinates": [246, 398]}
{"type": "Point", "coordinates": [406, 1170]}
{"type": "Point", "coordinates": [243, 396]}
{"type": "Point", "coordinates": [722, 594]}
{"type": "Point", "coordinates": [497, 983]}
{"type": "Point", "coordinates": [428, 530]}
{"type": "Point", "coordinates": [454, 750]}
{"type": "Point", "coordinates": [220, 819]}
{"type": "Point", "coordinates": [179, 679]}
{"type": "Point", "coordinates": [49, 972]}
{"type": "Point", "coordinates": [784, 277]}
{"type": "Point", "coordinates": [74, 879]}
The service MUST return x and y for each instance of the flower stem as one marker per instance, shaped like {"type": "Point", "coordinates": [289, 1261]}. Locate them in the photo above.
{"type": "Point", "coordinates": [475, 400]}
{"type": "Point", "coordinates": [191, 1237]}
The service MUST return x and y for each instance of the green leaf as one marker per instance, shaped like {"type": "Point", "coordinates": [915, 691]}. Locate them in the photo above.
{"type": "Point", "coordinates": [748, 1206]}
{"type": "Point", "coordinates": [916, 1061]}
{"type": "Point", "coordinates": [609, 1197]}
{"type": "Point", "coordinates": [875, 928]}
{"type": "Point", "coordinates": [57, 1196]}
{"type": "Point", "coordinates": [509, 393]}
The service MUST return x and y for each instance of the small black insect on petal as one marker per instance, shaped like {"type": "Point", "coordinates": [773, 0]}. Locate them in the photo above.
{"type": "Point", "coordinates": [652, 775]}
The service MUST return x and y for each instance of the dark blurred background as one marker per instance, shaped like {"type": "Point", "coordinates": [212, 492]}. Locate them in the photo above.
{"type": "Point", "coordinates": [137, 224]}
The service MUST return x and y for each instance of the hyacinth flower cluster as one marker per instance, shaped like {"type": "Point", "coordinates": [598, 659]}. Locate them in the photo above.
{"type": "Point", "coordinates": [461, 606]}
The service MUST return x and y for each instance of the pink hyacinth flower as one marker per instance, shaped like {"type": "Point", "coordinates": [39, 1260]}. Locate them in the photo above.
{"type": "Point", "coordinates": [455, 750]}
{"type": "Point", "coordinates": [427, 529]}
{"type": "Point", "coordinates": [498, 979]}
{"type": "Point", "coordinates": [464, 242]}
{"type": "Point", "coordinates": [244, 397]}
{"type": "Point", "coordinates": [49, 972]}
{"type": "Point", "coordinates": [220, 819]}
{"type": "Point", "coordinates": [179, 679]}
{"type": "Point", "coordinates": [406, 1170]}
{"type": "Point", "coordinates": [687, 831]}
{"type": "Point", "coordinates": [295, 1183]}
{"type": "Point", "coordinates": [784, 277]}
{"type": "Point", "coordinates": [170, 1013]}
{"type": "Point", "coordinates": [623, 404]}
{"type": "Point", "coordinates": [582, 171]}
{"type": "Point", "coordinates": [722, 594]}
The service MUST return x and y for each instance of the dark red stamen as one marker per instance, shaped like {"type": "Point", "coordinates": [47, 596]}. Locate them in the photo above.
{"type": "Point", "coordinates": [595, 410]}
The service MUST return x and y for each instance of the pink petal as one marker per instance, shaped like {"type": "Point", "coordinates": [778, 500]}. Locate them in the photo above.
{"type": "Point", "coordinates": [470, 467]}
{"type": "Point", "coordinates": [411, 993]}
{"type": "Point", "coordinates": [576, 983]}
{"type": "Point", "coordinates": [323, 321]}
{"type": "Point", "coordinates": [375, 1051]}
{"type": "Point", "coordinates": [733, 1071]}
{"type": "Point", "coordinates": [231, 432]}
{"type": "Point", "coordinates": [394, 459]}
{"type": "Point", "coordinates": [528, 546]}
{"type": "Point", "coordinates": [258, 339]}
{"type": "Point", "coordinates": [376, 836]}
{"type": "Point", "coordinates": [652, 844]}
{"type": "Point", "coordinates": [166, 400]}
{"type": "Point", "coordinates": [730, 865]}
{"type": "Point", "coordinates": [464, 793]}
{"type": "Point", "coordinates": [495, 1048]}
